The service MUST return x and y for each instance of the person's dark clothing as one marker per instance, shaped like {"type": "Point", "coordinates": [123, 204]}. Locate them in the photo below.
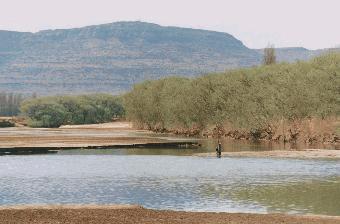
{"type": "Point", "coordinates": [219, 150]}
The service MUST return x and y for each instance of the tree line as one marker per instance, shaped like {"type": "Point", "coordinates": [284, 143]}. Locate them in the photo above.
{"type": "Point", "coordinates": [250, 99]}
{"type": "Point", "coordinates": [55, 111]}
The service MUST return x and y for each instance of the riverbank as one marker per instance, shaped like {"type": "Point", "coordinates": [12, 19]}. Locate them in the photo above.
{"type": "Point", "coordinates": [6, 122]}
{"type": "Point", "coordinates": [108, 135]}
{"type": "Point", "coordinates": [305, 131]}
{"type": "Point", "coordinates": [294, 154]}
{"type": "Point", "coordinates": [137, 214]}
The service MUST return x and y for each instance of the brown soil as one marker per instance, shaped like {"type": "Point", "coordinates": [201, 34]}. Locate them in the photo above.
{"type": "Point", "coordinates": [299, 154]}
{"type": "Point", "coordinates": [135, 214]}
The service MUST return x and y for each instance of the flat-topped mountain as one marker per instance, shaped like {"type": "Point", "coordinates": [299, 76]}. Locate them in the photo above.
{"type": "Point", "coordinates": [111, 57]}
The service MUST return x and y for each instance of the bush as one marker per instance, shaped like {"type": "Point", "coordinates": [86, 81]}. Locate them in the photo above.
{"type": "Point", "coordinates": [249, 99]}
{"type": "Point", "coordinates": [6, 124]}
{"type": "Point", "coordinates": [59, 110]}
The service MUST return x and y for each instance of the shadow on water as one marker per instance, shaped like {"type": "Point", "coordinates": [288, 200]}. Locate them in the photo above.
{"type": "Point", "coordinates": [5, 152]}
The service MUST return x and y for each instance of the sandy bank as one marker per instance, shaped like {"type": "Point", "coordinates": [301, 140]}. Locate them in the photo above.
{"type": "Point", "coordinates": [111, 125]}
{"type": "Point", "coordinates": [299, 154]}
{"type": "Point", "coordinates": [69, 206]}
{"type": "Point", "coordinates": [115, 133]}
{"type": "Point", "coordinates": [136, 214]}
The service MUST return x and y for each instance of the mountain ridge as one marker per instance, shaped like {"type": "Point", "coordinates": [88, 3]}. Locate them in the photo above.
{"type": "Point", "coordinates": [114, 56]}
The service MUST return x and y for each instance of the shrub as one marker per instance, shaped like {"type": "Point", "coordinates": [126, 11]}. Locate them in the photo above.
{"type": "Point", "coordinates": [6, 124]}
{"type": "Point", "coordinates": [250, 99]}
{"type": "Point", "coordinates": [59, 110]}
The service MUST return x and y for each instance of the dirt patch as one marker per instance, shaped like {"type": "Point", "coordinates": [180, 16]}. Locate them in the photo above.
{"type": "Point", "coordinates": [133, 215]}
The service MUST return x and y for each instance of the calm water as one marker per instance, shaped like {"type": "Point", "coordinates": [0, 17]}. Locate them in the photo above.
{"type": "Point", "coordinates": [170, 180]}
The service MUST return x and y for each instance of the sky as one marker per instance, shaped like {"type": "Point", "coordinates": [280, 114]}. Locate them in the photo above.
{"type": "Point", "coordinates": [311, 24]}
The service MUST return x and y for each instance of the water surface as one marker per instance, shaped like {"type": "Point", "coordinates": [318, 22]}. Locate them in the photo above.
{"type": "Point", "coordinates": [172, 182]}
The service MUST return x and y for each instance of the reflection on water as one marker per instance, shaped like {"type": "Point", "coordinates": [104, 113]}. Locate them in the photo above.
{"type": "Point", "coordinates": [135, 151]}
{"type": "Point", "coordinates": [207, 145]}
{"type": "Point", "coordinates": [243, 145]}
{"type": "Point", "coordinates": [313, 196]}
{"type": "Point", "coordinates": [173, 182]}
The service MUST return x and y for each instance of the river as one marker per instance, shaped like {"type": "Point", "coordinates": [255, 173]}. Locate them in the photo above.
{"type": "Point", "coordinates": [173, 179]}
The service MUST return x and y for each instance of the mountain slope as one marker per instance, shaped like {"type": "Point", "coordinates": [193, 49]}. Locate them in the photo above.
{"type": "Point", "coordinates": [111, 57]}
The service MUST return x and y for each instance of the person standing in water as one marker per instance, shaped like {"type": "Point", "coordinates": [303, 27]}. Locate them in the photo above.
{"type": "Point", "coordinates": [219, 149]}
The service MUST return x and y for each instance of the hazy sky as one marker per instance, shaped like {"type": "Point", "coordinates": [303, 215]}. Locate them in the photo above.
{"type": "Point", "coordinates": [308, 23]}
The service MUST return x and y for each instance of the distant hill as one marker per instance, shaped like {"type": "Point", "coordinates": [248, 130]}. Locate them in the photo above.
{"type": "Point", "coordinates": [292, 54]}
{"type": "Point", "coordinates": [112, 57]}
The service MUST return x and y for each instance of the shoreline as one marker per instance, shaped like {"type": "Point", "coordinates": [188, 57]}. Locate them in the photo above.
{"type": "Point", "coordinates": [136, 214]}
{"type": "Point", "coordinates": [51, 150]}
{"type": "Point", "coordinates": [25, 140]}
{"type": "Point", "coordinates": [289, 154]}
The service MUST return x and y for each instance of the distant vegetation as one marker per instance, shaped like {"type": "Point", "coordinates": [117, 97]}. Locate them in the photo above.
{"type": "Point", "coordinates": [61, 110]}
{"type": "Point", "coordinates": [269, 56]}
{"type": "Point", "coordinates": [9, 103]}
{"type": "Point", "coordinates": [260, 99]}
